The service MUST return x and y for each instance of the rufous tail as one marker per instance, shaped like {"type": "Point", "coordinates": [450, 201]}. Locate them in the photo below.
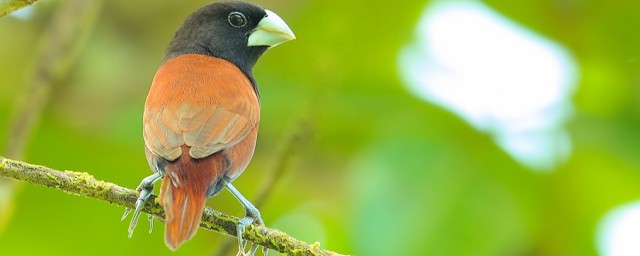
{"type": "Point", "coordinates": [183, 194]}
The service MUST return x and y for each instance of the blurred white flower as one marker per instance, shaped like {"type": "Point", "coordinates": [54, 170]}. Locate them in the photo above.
{"type": "Point", "coordinates": [500, 77]}
{"type": "Point", "coordinates": [619, 230]}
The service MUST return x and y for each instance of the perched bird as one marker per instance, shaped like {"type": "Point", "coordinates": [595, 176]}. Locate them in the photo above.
{"type": "Point", "coordinates": [201, 115]}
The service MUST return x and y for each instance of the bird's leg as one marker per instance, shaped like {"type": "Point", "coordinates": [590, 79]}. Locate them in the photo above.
{"type": "Point", "coordinates": [146, 190]}
{"type": "Point", "coordinates": [252, 216]}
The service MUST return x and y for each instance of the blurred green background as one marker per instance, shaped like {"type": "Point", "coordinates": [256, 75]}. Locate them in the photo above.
{"type": "Point", "coordinates": [360, 164]}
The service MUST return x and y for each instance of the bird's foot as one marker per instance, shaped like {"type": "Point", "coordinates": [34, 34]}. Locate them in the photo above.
{"type": "Point", "coordinates": [252, 216]}
{"type": "Point", "coordinates": [241, 227]}
{"type": "Point", "coordinates": [146, 190]}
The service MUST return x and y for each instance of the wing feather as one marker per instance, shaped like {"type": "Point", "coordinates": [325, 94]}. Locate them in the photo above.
{"type": "Point", "coordinates": [223, 110]}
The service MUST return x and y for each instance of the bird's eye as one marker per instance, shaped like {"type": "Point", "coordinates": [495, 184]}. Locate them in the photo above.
{"type": "Point", "coordinates": [237, 19]}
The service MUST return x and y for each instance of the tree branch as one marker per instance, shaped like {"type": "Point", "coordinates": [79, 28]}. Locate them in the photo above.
{"type": "Point", "coordinates": [83, 184]}
{"type": "Point", "coordinates": [57, 49]}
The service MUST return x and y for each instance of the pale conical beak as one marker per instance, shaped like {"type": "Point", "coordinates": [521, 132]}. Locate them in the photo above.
{"type": "Point", "coordinates": [271, 31]}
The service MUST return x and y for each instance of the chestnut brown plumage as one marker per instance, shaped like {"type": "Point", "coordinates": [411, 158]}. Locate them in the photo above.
{"type": "Point", "coordinates": [201, 115]}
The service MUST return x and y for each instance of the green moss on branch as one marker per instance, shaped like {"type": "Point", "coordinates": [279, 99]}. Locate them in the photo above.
{"type": "Point", "coordinates": [84, 184]}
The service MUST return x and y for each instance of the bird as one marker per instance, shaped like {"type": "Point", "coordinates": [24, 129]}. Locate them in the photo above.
{"type": "Point", "coordinates": [201, 115]}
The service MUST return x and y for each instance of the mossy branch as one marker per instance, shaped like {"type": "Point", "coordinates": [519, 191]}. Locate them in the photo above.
{"type": "Point", "coordinates": [83, 184]}
{"type": "Point", "coordinates": [9, 6]}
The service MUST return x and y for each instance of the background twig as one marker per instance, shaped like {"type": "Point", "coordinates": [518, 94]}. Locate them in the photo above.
{"type": "Point", "coordinates": [58, 48]}
{"type": "Point", "coordinates": [63, 39]}
{"type": "Point", "coordinates": [83, 184]}
{"type": "Point", "coordinates": [9, 6]}
{"type": "Point", "coordinates": [297, 136]}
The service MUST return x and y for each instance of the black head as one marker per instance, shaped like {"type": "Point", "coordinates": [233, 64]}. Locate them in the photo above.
{"type": "Point", "coordinates": [238, 32]}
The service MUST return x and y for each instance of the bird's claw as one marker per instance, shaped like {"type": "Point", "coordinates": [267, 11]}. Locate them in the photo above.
{"type": "Point", "coordinates": [146, 190]}
{"type": "Point", "coordinates": [150, 217]}
{"type": "Point", "coordinates": [126, 213]}
{"type": "Point", "coordinates": [241, 227]}
{"type": "Point", "coordinates": [144, 195]}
